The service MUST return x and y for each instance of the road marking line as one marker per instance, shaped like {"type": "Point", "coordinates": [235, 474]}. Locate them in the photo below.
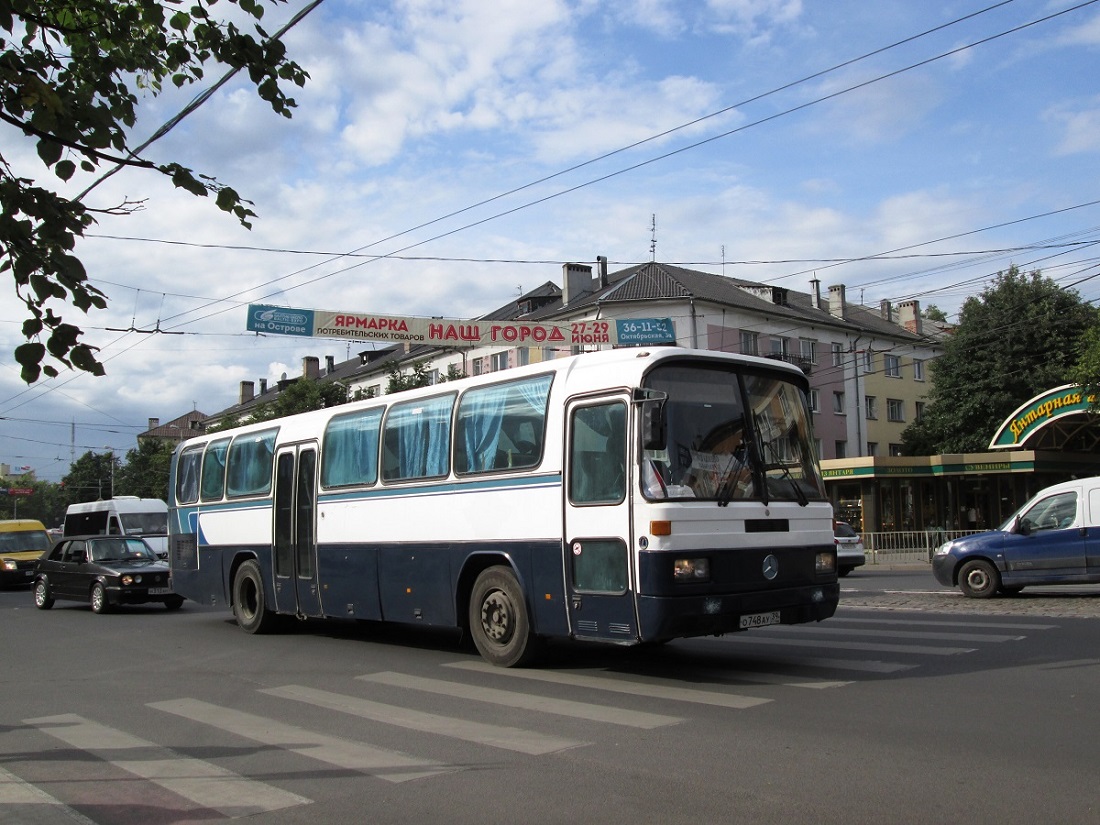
{"type": "Point", "coordinates": [922, 622]}
{"type": "Point", "coordinates": [671, 690]}
{"type": "Point", "coordinates": [497, 736]}
{"type": "Point", "coordinates": [523, 701]}
{"type": "Point", "coordinates": [760, 639]}
{"type": "Point", "coordinates": [930, 635]}
{"type": "Point", "coordinates": [203, 783]}
{"type": "Point", "coordinates": [380, 762]}
{"type": "Point", "coordinates": [15, 791]}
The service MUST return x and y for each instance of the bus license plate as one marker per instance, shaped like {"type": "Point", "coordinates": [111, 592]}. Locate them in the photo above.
{"type": "Point", "coordinates": [159, 591]}
{"type": "Point", "coordinates": [759, 619]}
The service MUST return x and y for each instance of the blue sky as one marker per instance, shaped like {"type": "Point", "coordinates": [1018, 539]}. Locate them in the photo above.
{"type": "Point", "coordinates": [770, 139]}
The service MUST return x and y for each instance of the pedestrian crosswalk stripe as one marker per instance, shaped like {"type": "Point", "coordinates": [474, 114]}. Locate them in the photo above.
{"type": "Point", "coordinates": [14, 791]}
{"type": "Point", "coordinates": [380, 762]}
{"type": "Point", "coordinates": [671, 691]}
{"type": "Point", "coordinates": [943, 623]}
{"type": "Point", "coordinates": [927, 635]}
{"type": "Point", "coordinates": [497, 736]}
{"type": "Point", "coordinates": [806, 641]}
{"type": "Point", "coordinates": [507, 698]}
{"type": "Point", "coordinates": [203, 783]}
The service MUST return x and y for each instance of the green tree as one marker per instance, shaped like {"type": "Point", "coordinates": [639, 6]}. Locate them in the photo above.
{"type": "Point", "coordinates": [90, 477]}
{"type": "Point", "coordinates": [1015, 340]}
{"type": "Point", "coordinates": [70, 75]}
{"type": "Point", "coordinates": [1086, 370]}
{"type": "Point", "coordinates": [419, 376]}
{"type": "Point", "coordinates": [145, 473]}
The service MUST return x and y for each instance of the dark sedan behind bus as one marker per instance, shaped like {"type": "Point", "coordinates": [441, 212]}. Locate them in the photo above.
{"type": "Point", "coordinates": [104, 571]}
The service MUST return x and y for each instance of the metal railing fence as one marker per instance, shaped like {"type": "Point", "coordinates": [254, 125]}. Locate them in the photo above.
{"type": "Point", "coordinates": [898, 547]}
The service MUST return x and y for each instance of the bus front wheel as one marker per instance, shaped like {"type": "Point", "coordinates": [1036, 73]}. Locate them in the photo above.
{"type": "Point", "coordinates": [499, 623]}
{"type": "Point", "coordinates": [249, 603]}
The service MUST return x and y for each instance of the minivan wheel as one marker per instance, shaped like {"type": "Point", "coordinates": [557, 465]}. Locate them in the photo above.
{"type": "Point", "coordinates": [978, 579]}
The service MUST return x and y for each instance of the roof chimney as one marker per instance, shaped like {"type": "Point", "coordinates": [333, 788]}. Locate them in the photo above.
{"type": "Point", "coordinates": [263, 386]}
{"type": "Point", "coordinates": [909, 316]}
{"type": "Point", "coordinates": [311, 367]}
{"type": "Point", "coordinates": [602, 261]}
{"type": "Point", "coordinates": [576, 281]}
{"type": "Point", "coordinates": [815, 293]}
{"type": "Point", "coordinates": [886, 311]}
{"type": "Point", "coordinates": [154, 423]}
{"type": "Point", "coordinates": [330, 363]}
{"type": "Point", "coordinates": [837, 306]}
{"type": "Point", "coordinates": [247, 392]}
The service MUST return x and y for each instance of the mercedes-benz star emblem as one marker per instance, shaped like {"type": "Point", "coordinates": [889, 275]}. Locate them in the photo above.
{"type": "Point", "coordinates": [771, 567]}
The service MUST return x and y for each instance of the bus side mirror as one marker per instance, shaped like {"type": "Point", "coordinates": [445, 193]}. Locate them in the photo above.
{"type": "Point", "coordinates": [653, 425]}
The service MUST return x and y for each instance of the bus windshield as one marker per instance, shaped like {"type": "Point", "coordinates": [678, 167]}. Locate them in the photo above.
{"type": "Point", "coordinates": [731, 435]}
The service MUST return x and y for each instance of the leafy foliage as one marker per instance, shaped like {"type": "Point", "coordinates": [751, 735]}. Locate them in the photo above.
{"type": "Point", "coordinates": [1086, 371]}
{"type": "Point", "coordinates": [145, 471]}
{"type": "Point", "coordinates": [69, 77]}
{"type": "Point", "coordinates": [1015, 340]}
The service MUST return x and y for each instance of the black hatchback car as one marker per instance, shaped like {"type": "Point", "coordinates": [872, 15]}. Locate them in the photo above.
{"type": "Point", "coordinates": [104, 571]}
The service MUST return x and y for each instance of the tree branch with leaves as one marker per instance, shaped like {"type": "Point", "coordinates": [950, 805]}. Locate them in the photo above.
{"type": "Point", "coordinates": [69, 77]}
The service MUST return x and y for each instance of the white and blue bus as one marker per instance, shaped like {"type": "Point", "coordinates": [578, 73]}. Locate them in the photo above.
{"type": "Point", "coordinates": [626, 496]}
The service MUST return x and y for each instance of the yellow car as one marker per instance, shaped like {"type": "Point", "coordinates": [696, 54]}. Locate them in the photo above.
{"type": "Point", "coordinates": [22, 541]}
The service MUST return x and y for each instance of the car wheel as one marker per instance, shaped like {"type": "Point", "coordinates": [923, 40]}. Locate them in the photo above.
{"type": "Point", "coordinates": [498, 618]}
{"type": "Point", "coordinates": [249, 602]}
{"type": "Point", "coordinates": [174, 602]}
{"type": "Point", "coordinates": [978, 579]}
{"type": "Point", "coordinates": [100, 603]}
{"type": "Point", "coordinates": [42, 598]}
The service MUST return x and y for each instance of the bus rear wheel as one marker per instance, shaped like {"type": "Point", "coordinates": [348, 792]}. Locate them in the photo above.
{"type": "Point", "coordinates": [499, 623]}
{"type": "Point", "coordinates": [249, 603]}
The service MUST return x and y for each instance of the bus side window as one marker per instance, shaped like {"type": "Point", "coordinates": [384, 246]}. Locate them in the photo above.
{"type": "Point", "coordinates": [350, 453]}
{"type": "Point", "coordinates": [598, 454]}
{"type": "Point", "coordinates": [187, 477]}
{"type": "Point", "coordinates": [213, 470]}
{"type": "Point", "coordinates": [501, 427]}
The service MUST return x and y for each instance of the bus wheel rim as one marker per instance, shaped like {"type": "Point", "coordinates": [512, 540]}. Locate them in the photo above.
{"type": "Point", "coordinates": [497, 617]}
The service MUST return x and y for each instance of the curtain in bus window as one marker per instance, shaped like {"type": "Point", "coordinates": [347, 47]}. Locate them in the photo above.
{"type": "Point", "coordinates": [351, 449]}
{"type": "Point", "coordinates": [187, 477]}
{"type": "Point", "coordinates": [420, 434]}
{"type": "Point", "coordinates": [500, 427]}
{"type": "Point", "coordinates": [251, 459]}
{"type": "Point", "coordinates": [213, 469]}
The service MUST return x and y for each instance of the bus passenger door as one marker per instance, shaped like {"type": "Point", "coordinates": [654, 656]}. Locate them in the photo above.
{"type": "Point", "coordinates": [295, 550]}
{"type": "Point", "coordinates": [598, 571]}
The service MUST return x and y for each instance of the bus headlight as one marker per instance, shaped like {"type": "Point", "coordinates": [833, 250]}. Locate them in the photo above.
{"type": "Point", "coordinates": [826, 562]}
{"type": "Point", "coordinates": [691, 570]}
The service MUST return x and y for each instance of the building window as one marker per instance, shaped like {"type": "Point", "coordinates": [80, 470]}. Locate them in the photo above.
{"type": "Point", "coordinates": [838, 355]}
{"type": "Point", "coordinates": [841, 449]}
{"type": "Point", "coordinates": [838, 402]}
{"type": "Point", "coordinates": [750, 343]}
{"type": "Point", "coordinates": [781, 346]}
{"type": "Point", "coordinates": [807, 348]}
{"type": "Point", "coordinates": [895, 409]}
{"type": "Point", "coordinates": [499, 361]}
{"type": "Point", "coordinates": [523, 356]}
{"type": "Point", "coordinates": [895, 450]}
{"type": "Point", "coordinates": [815, 401]}
{"type": "Point", "coordinates": [872, 448]}
{"type": "Point", "coordinates": [870, 403]}
{"type": "Point", "coordinates": [918, 370]}
{"type": "Point", "coordinates": [892, 366]}
{"type": "Point", "coordinates": [868, 360]}
{"type": "Point", "coordinates": [476, 366]}
{"type": "Point", "coordinates": [918, 410]}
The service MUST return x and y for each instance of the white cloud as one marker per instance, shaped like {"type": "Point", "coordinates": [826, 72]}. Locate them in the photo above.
{"type": "Point", "coordinates": [1080, 127]}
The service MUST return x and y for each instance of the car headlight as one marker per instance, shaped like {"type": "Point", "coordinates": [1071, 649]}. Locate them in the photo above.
{"type": "Point", "coordinates": [129, 579]}
{"type": "Point", "coordinates": [691, 570]}
{"type": "Point", "coordinates": [9, 564]}
{"type": "Point", "coordinates": [945, 548]}
{"type": "Point", "coordinates": [825, 562]}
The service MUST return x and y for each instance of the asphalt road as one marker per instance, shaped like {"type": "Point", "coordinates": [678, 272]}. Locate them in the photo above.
{"type": "Point", "coordinates": [911, 705]}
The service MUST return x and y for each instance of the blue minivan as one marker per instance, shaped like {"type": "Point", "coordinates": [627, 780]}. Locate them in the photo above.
{"type": "Point", "coordinates": [1053, 539]}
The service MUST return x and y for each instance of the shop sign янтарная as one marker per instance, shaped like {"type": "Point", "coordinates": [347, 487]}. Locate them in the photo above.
{"type": "Point", "coordinates": [453, 332]}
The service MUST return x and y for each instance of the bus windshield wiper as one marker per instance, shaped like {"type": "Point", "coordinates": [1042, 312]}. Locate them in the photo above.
{"type": "Point", "coordinates": [785, 469]}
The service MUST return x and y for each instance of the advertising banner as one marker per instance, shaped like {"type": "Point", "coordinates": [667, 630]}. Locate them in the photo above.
{"type": "Point", "coordinates": [454, 332]}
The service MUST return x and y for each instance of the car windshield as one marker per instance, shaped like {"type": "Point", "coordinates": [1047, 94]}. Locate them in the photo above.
{"type": "Point", "coordinates": [145, 524]}
{"type": "Point", "coordinates": [24, 541]}
{"type": "Point", "coordinates": [121, 550]}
